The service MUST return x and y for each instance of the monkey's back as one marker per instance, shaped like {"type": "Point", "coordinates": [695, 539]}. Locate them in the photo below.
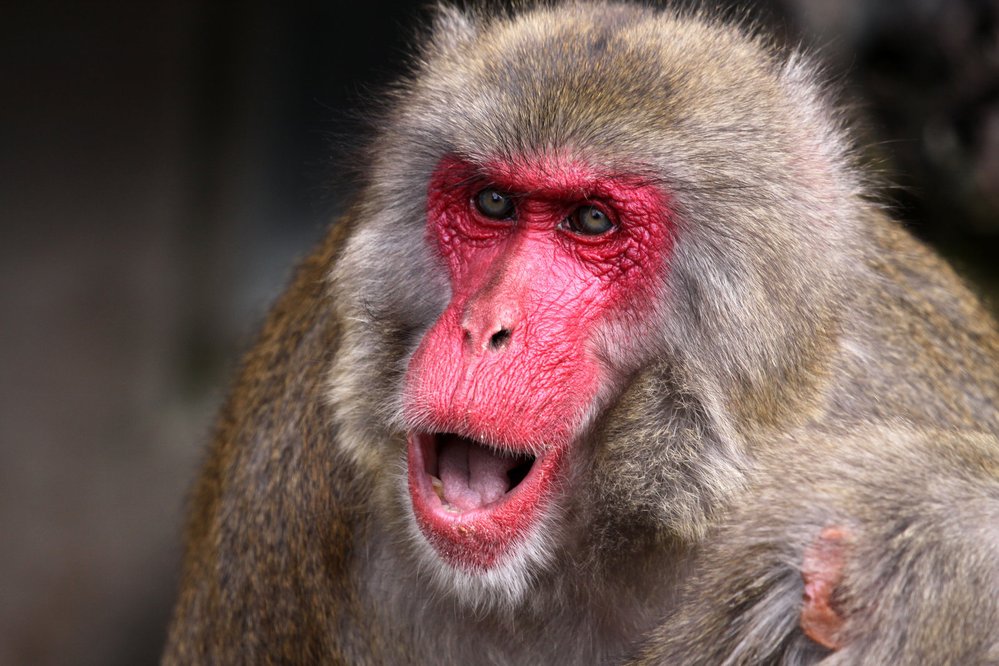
{"type": "Point", "coordinates": [921, 347]}
{"type": "Point", "coordinates": [274, 511]}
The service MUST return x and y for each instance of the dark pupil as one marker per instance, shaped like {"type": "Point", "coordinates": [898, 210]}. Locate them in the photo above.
{"type": "Point", "coordinates": [493, 204]}
{"type": "Point", "coordinates": [591, 220]}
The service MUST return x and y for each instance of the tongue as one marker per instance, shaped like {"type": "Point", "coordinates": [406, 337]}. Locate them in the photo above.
{"type": "Point", "coordinates": [473, 476]}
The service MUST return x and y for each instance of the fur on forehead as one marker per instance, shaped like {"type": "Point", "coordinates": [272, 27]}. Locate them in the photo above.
{"type": "Point", "coordinates": [714, 112]}
{"type": "Point", "coordinates": [611, 78]}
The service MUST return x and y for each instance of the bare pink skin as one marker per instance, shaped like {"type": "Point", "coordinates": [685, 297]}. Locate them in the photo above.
{"type": "Point", "coordinates": [547, 289]}
{"type": "Point", "coordinates": [822, 572]}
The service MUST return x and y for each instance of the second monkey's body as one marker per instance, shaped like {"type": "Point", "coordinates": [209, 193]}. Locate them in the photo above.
{"type": "Point", "coordinates": [603, 259]}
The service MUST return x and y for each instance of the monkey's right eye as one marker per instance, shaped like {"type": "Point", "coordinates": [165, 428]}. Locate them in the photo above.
{"type": "Point", "coordinates": [495, 204]}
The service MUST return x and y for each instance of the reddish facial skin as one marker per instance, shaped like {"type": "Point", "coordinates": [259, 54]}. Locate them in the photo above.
{"type": "Point", "coordinates": [547, 288]}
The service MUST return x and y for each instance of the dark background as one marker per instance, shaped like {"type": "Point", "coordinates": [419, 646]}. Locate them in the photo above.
{"type": "Point", "coordinates": [163, 163]}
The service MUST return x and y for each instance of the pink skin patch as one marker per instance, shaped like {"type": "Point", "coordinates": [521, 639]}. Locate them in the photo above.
{"type": "Point", "coordinates": [507, 368]}
{"type": "Point", "coordinates": [822, 572]}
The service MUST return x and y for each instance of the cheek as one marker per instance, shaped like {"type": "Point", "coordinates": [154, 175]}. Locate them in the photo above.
{"type": "Point", "coordinates": [453, 231]}
{"type": "Point", "coordinates": [446, 235]}
{"type": "Point", "coordinates": [643, 260]}
{"type": "Point", "coordinates": [629, 283]}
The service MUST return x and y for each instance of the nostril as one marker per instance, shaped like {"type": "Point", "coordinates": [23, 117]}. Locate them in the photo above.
{"type": "Point", "coordinates": [500, 338]}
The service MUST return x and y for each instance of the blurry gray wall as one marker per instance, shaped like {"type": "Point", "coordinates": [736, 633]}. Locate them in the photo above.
{"type": "Point", "coordinates": [162, 164]}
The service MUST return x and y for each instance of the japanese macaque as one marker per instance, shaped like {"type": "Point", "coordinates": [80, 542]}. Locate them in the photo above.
{"type": "Point", "coordinates": [611, 302]}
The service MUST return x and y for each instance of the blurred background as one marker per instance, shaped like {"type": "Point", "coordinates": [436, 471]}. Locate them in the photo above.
{"type": "Point", "coordinates": [163, 164]}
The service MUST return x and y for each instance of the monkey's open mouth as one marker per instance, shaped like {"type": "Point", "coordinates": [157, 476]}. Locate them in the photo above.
{"type": "Point", "coordinates": [467, 475]}
{"type": "Point", "coordinates": [472, 501]}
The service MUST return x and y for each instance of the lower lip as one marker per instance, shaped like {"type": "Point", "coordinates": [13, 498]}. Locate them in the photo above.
{"type": "Point", "coordinates": [479, 539]}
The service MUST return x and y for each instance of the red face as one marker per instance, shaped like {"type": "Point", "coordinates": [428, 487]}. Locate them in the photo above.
{"type": "Point", "coordinates": [539, 254]}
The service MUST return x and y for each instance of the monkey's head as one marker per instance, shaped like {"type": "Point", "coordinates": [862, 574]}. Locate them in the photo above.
{"type": "Point", "coordinates": [564, 209]}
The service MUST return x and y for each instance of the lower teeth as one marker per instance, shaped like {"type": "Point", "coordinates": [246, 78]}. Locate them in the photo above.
{"type": "Point", "coordinates": [438, 487]}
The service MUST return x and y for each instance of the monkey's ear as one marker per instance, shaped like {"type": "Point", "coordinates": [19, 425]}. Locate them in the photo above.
{"type": "Point", "coordinates": [452, 28]}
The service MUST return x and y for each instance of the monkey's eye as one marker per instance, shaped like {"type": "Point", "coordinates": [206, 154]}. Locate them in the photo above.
{"type": "Point", "coordinates": [495, 204]}
{"type": "Point", "coordinates": [589, 221]}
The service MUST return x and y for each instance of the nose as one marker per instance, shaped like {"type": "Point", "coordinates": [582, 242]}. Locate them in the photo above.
{"type": "Point", "coordinates": [490, 322]}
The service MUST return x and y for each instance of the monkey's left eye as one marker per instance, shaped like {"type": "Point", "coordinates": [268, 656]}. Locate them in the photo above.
{"type": "Point", "coordinates": [495, 204]}
{"type": "Point", "coordinates": [589, 221]}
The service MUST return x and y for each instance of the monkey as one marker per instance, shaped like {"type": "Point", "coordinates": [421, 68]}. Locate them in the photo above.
{"type": "Point", "coordinates": [603, 263]}
{"type": "Point", "coordinates": [841, 561]}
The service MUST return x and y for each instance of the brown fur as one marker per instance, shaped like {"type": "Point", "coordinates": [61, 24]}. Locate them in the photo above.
{"type": "Point", "coordinates": [792, 308]}
{"type": "Point", "coordinates": [918, 512]}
